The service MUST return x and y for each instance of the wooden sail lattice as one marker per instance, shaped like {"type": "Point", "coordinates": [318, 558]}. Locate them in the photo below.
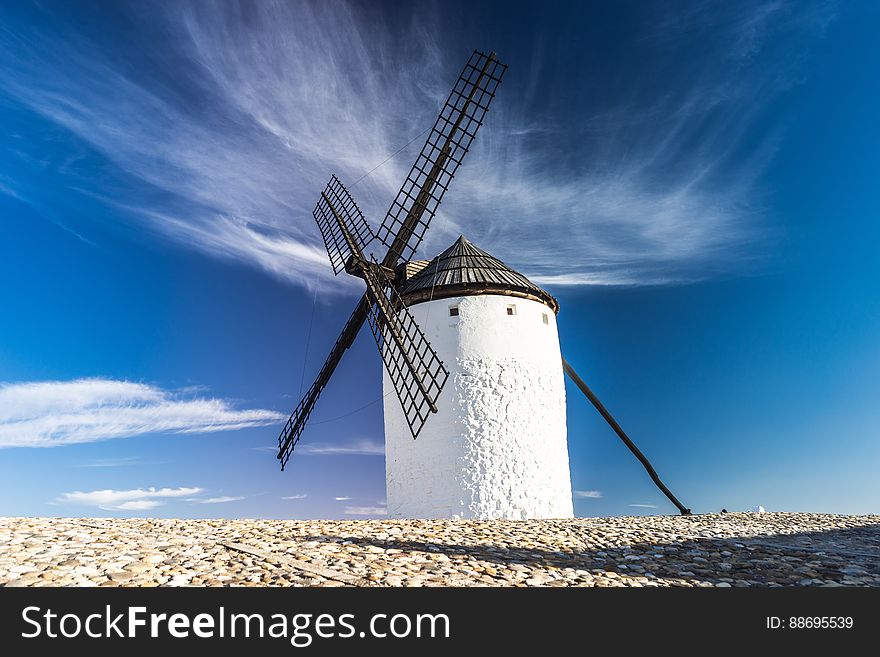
{"type": "Point", "coordinates": [332, 231]}
{"type": "Point", "coordinates": [415, 369]}
{"type": "Point", "coordinates": [448, 142]}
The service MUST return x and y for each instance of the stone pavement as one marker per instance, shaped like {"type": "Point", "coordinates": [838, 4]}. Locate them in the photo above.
{"type": "Point", "coordinates": [733, 549]}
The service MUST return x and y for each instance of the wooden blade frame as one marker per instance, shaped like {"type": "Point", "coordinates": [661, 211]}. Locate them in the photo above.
{"type": "Point", "coordinates": [462, 115]}
{"type": "Point", "coordinates": [415, 369]}
{"type": "Point", "coordinates": [294, 427]}
{"type": "Point", "coordinates": [337, 242]}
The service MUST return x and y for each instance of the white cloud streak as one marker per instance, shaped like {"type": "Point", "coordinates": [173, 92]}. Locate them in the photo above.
{"type": "Point", "coordinates": [223, 499]}
{"type": "Point", "coordinates": [645, 188]}
{"type": "Point", "coordinates": [138, 499]}
{"type": "Point", "coordinates": [592, 494]}
{"type": "Point", "coordinates": [115, 462]}
{"type": "Point", "coordinates": [644, 506]}
{"type": "Point", "coordinates": [55, 413]}
{"type": "Point", "coordinates": [361, 447]}
{"type": "Point", "coordinates": [6, 189]}
{"type": "Point", "coordinates": [365, 511]}
{"type": "Point", "coordinates": [300, 496]}
{"type": "Point", "coordinates": [342, 499]}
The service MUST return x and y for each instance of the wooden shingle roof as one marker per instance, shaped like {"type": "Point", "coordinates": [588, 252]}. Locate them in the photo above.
{"type": "Point", "coordinates": [465, 270]}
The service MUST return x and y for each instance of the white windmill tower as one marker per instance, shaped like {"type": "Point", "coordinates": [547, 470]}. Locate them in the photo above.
{"type": "Point", "coordinates": [494, 444]}
{"type": "Point", "coordinates": [497, 446]}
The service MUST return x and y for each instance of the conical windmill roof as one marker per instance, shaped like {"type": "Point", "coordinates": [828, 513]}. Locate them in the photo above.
{"type": "Point", "coordinates": [466, 270]}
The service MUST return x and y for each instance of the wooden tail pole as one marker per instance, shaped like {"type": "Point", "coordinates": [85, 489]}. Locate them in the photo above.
{"type": "Point", "coordinates": [579, 382]}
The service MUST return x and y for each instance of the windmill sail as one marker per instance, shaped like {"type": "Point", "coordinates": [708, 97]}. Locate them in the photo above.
{"type": "Point", "coordinates": [415, 369]}
{"type": "Point", "coordinates": [447, 144]}
{"type": "Point", "coordinates": [294, 427]}
{"type": "Point", "coordinates": [342, 224]}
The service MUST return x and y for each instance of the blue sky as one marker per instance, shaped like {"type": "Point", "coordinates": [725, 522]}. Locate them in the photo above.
{"type": "Point", "coordinates": [695, 182]}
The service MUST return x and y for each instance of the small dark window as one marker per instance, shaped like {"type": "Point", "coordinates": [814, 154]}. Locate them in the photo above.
{"type": "Point", "coordinates": [453, 311]}
{"type": "Point", "coordinates": [544, 318]}
{"type": "Point", "coordinates": [511, 309]}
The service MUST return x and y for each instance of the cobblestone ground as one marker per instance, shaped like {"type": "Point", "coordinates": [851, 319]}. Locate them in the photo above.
{"type": "Point", "coordinates": [735, 549]}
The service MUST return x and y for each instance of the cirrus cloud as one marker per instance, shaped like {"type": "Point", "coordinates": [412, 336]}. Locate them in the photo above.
{"type": "Point", "coordinates": [588, 494]}
{"type": "Point", "coordinates": [222, 499]}
{"type": "Point", "coordinates": [365, 511]}
{"type": "Point", "coordinates": [55, 413]}
{"type": "Point", "coordinates": [224, 146]}
{"type": "Point", "coordinates": [137, 499]}
{"type": "Point", "coordinates": [360, 447]}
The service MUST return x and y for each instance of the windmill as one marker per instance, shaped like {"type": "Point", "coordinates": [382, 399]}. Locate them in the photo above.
{"type": "Point", "coordinates": [479, 460]}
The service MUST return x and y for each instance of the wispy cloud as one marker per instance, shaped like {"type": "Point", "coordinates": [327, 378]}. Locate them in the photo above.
{"type": "Point", "coordinates": [54, 413]}
{"type": "Point", "coordinates": [6, 189]}
{"type": "Point", "coordinates": [138, 499]}
{"type": "Point", "coordinates": [365, 511]}
{"type": "Point", "coordinates": [656, 183]}
{"type": "Point", "coordinates": [361, 447]}
{"type": "Point", "coordinates": [644, 506]}
{"type": "Point", "coordinates": [219, 500]}
{"type": "Point", "coordinates": [119, 462]}
{"type": "Point", "coordinates": [300, 496]}
{"type": "Point", "coordinates": [341, 499]}
{"type": "Point", "coordinates": [595, 494]}
{"type": "Point", "coordinates": [645, 183]}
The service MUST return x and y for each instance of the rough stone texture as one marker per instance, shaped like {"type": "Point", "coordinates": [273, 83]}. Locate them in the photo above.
{"type": "Point", "coordinates": [724, 550]}
{"type": "Point", "coordinates": [497, 447]}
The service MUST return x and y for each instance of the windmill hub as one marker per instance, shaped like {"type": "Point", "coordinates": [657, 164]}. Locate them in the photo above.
{"type": "Point", "coordinates": [356, 265]}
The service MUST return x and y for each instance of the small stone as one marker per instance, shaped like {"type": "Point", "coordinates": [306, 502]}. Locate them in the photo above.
{"type": "Point", "coordinates": [853, 570]}
{"type": "Point", "coordinates": [153, 558]}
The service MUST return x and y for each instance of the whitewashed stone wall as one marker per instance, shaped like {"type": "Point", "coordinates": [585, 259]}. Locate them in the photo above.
{"type": "Point", "coordinates": [497, 447]}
